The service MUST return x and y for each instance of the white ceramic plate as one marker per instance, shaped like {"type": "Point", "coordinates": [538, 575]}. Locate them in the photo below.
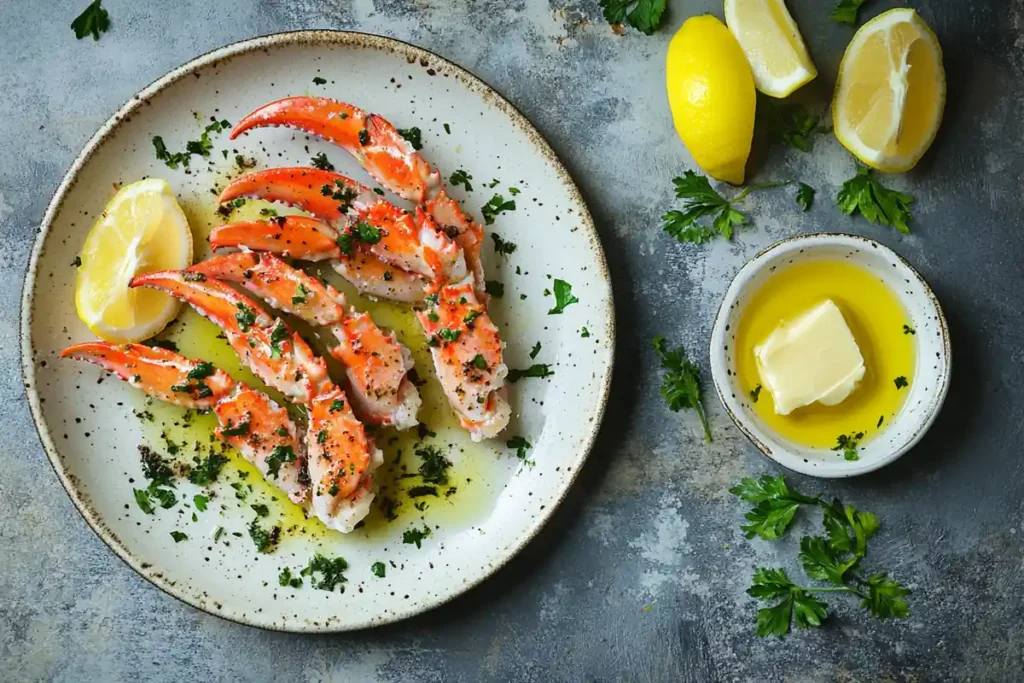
{"type": "Point", "coordinates": [86, 423]}
{"type": "Point", "coordinates": [930, 378]}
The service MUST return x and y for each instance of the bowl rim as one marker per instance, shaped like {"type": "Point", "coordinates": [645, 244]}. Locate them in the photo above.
{"type": "Point", "coordinates": [264, 42]}
{"type": "Point", "coordinates": [765, 442]}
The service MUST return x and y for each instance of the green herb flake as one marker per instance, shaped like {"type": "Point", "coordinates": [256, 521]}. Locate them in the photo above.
{"type": "Point", "coordinates": [178, 536]}
{"type": "Point", "coordinates": [321, 162]}
{"type": "Point", "coordinates": [279, 456]}
{"type": "Point", "coordinates": [265, 540]}
{"type": "Point", "coordinates": [846, 12]}
{"type": "Point", "coordinates": [200, 501]}
{"type": "Point", "coordinates": [260, 509]}
{"type": "Point", "coordinates": [415, 536]}
{"type": "Point", "coordinates": [646, 15]}
{"type": "Point", "coordinates": [285, 579]}
{"type": "Point", "coordinates": [496, 206]}
{"type": "Point", "coordinates": [805, 196]}
{"type": "Point", "coordinates": [93, 21]}
{"type": "Point", "coordinates": [494, 288]}
{"type": "Point", "coordinates": [755, 393]}
{"type": "Point", "coordinates": [680, 382]}
{"type": "Point", "coordinates": [901, 382]}
{"type": "Point", "coordinates": [460, 177]}
{"type": "Point", "coordinates": [378, 569]}
{"type": "Point", "coordinates": [413, 135]}
{"type": "Point", "coordinates": [563, 297]}
{"type": "Point", "coordinates": [331, 572]}
{"type": "Point", "coordinates": [535, 370]}
{"type": "Point", "coordinates": [520, 444]}
{"type": "Point", "coordinates": [317, 80]}
{"type": "Point", "coordinates": [874, 201]}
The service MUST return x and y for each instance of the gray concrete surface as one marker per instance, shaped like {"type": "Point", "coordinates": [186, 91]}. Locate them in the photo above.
{"type": "Point", "coordinates": [649, 523]}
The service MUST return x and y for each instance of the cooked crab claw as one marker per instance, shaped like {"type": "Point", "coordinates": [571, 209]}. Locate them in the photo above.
{"type": "Point", "coordinates": [342, 458]}
{"type": "Point", "coordinates": [278, 356]}
{"type": "Point", "coordinates": [386, 155]}
{"type": "Point", "coordinates": [158, 372]}
{"type": "Point", "coordinates": [248, 419]}
{"type": "Point", "coordinates": [378, 146]}
{"type": "Point", "coordinates": [376, 364]}
{"type": "Point", "coordinates": [467, 352]}
{"type": "Point", "coordinates": [363, 221]}
{"type": "Point", "coordinates": [307, 239]}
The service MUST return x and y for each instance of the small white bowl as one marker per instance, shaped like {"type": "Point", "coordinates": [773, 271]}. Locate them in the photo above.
{"type": "Point", "coordinates": [931, 376]}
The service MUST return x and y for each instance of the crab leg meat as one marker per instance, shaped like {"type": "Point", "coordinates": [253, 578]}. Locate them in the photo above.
{"type": "Point", "coordinates": [376, 364]}
{"type": "Point", "coordinates": [249, 420]}
{"type": "Point", "coordinates": [386, 155]}
{"type": "Point", "coordinates": [411, 242]}
{"type": "Point", "coordinates": [309, 239]}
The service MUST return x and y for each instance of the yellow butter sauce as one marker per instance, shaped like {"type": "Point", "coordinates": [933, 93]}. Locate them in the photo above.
{"type": "Point", "coordinates": [876, 318]}
{"type": "Point", "coordinates": [478, 473]}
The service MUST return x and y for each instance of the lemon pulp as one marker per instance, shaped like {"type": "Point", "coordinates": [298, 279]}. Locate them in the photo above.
{"type": "Point", "coordinates": [876, 318]}
{"type": "Point", "coordinates": [891, 91]}
{"type": "Point", "coordinates": [142, 229]}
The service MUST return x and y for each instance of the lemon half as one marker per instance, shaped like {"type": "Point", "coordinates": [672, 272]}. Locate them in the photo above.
{"type": "Point", "coordinates": [891, 91]}
{"type": "Point", "coordinates": [773, 45]}
{"type": "Point", "coordinates": [142, 229]}
{"type": "Point", "coordinates": [711, 94]}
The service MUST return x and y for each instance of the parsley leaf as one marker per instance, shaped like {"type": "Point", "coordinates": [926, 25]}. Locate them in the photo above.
{"type": "Point", "coordinates": [378, 569]}
{"type": "Point", "coordinates": [366, 233]}
{"type": "Point", "coordinates": [875, 202]}
{"type": "Point", "coordinates": [317, 80]}
{"type": "Point", "coordinates": [200, 502]}
{"type": "Point", "coordinates": [645, 17]}
{"type": "Point", "coordinates": [93, 20]}
{"type": "Point", "coordinates": [680, 382]}
{"type": "Point", "coordinates": [901, 382]}
{"type": "Point", "coordinates": [413, 135]}
{"type": "Point", "coordinates": [277, 335]}
{"type": "Point", "coordinates": [265, 541]}
{"type": "Point", "coordinates": [460, 177]}
{"type": "Point", "coordinates": [535, 350]}
{"type": "Point", "coordinates": [495, 206]}
{"type": "Point", "coordinates": [775, 505]}
{"type": "Point", "coordinates": [700, 200]}
{"type": "Point", "coordinates": [277, 457]}
{"type": "Point", "coordinates": [206, 469]}
{"type": "Point", "coordinates": [142, 500]}
{"type": "Point", "coordinates": [847, 444]}
{"type": "Point", "coordinates": [563, 297]}
{"type": "Point", "coordinates": [790, 121]}
{"type": "Point", "coordinates": [805, 196]}
{"type": "Point", "coordinates": [821, 562]}
{"type": "Point", "coordinates": [885, 598]}
{"type": "Point", "coordinates": [796, 603]}
{"type": "Point", "coordinates": [520, 444]}
{"type": "Point", "coordinates": [178, 536]}
{"type": "Point", "coordinates": [285, 579]}
{"type": "Point", "coordinates": [846, 12]}
{"type": "Point", "coordinates": [535, 370]}
{"type": "Point", "coordinates": [434, 468]}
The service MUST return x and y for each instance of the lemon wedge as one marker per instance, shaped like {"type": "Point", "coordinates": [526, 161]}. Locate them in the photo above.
{"type": "Point", "coordinates": [891, 91]}
{"type": "Point", "coordinates": [773, 45]}
{"type": "Point", "coordinates": [142, 229]}
{"type": "Point", "coordinates": [711, 94]}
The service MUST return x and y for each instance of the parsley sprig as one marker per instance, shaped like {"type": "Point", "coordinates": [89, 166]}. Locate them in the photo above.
{"type": "Point", "coordinates": [680, 382]}
{"type": "Point", "coordinates": [645, 16]}
{"type": "Point", "coordinates": [94, 20]}
{"type": "Point", "coordinates": [834, 558]}
{"type": "Point", "coordinates": [700, 200]}
{"type": "Point", "coordinates": [846, 12]}
{"type": "Point", "coordinates": [875, 202]}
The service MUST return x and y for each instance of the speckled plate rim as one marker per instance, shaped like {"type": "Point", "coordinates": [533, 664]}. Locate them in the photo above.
{"type": "Point", "coordinates": [262, 43]}
{"type": "Point", "coordinates": [754, 434]}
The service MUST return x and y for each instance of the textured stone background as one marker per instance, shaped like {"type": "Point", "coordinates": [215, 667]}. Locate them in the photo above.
{"type": "Point", "coordinates": [649, 522]}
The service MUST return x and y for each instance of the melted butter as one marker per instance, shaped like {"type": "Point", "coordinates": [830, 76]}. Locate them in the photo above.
{"type": "Point", "coordinates": [876, 319]}
{"type": "Point", "coordinates": [478, 473]}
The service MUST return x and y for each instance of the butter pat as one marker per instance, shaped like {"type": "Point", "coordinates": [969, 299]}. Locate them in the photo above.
{"type": "Point", "coordinates": [813, 358]}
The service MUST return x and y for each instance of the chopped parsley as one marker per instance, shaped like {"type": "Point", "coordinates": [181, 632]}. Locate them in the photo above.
{"type": "Point", "coordinates": [331, 572]}
{"type": "Point", "coordinates": [495, 206]}
{"type": "Point", "coordinates": [846, 12]}
{"type": "Point", "coordinates": [241, 428]}
{"type": "Point", "coordinates": [366, 233]}
{"type": "Point", "coordinates": [501, 247]}
{"type": "Point", "coordinates": [755, 393]}
{"type": "Point", "coordinates": [901, 382]}
{"type": "Point", "coordinates": [200, 501]}
{"type": "Point", "coordinates": [321, 436]}
{"type": "Point", "coordinates": [321, 162]}
{"type": "Point", "coordinates": [479, 362]}
{"type": "Point", "coordinates": [207, 469]}
{"type": "Point", "coordinates": [434, 468]}
{"type": "Point", "coordinates": [277, 457]}
{"type": "Point", "coordinates": [494, 288]}
{"type": "Point", "coordinates": [448, 334]}
{"type": "Point", "coordinates": [192, 276]}
{"type": "Point", "coordinates": [178, 536]}
{"type": "Point", "coordinates": [471, 316]}
{"type": "Point", "coordinates": [260, 509]}
{"type": "Point", "coordinates": [345, 243]}
{"type": "Point", "coordinates": [460, 177]}
{"type": "Point", "coordinates": [201, 370]}
{"type": "Point", "coordinates": [520, 444]}
{"type": "Point", "coordinates": [364, 137]}
{"type": "Point", "coordinates": [142, 500]}
{"type": "Point", "coordinates": [301, 292]}
{"type": "Point", "coordinates": [535, 370]}
{"type": "Point", "coordinates": [680, 382]}
{"type": "Point", "coordinates": [535, 350]}
{"type": "Point", "coordinates": [907, 329]}
{"type": "Point", "coordinates": [336, 405]}
{"type": "Point", "coordinates": [847, 445]}
{"type": "Point", "coordinates": [93, 21]}
{"type": "Point", "coordinates": [584, 333]}
{"type": "Point", "coordinates": [378, 569]}
{"type": "Point", "coordinates": [317, 80]}
{"type": "Point", "coordinates": [413, 135]}
{"type": "Point", "coordinates": [415, 536]}
{"type": "Point", "coordinates": [286, 580]}
{"type": "Point", "coordinates": [563, 297]}
{"type": "Point", "coordinates": [277, 335]}
{"type": "Point", "coordinates": [264, 540]}
{"type": "Point", "coordinates": [246, 317]}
